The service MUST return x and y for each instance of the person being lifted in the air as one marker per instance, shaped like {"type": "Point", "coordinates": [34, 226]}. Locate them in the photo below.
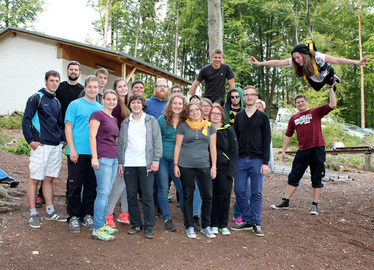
{"type": "Point", "coordinates": [312, 65]}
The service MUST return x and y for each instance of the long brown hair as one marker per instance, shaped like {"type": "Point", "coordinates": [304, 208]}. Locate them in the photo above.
{"type": "Point", "coordinates": [168, 111]}
{"type": "Point", "coordinates": [307, 69]}
{"type": "Point", "coordinates": [125, 112]}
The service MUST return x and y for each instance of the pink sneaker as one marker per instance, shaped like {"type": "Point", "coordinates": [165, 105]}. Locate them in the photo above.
{"type": "Point", "coordinates": [110, 221]}
{"type": "Point", "coordinates": [238, 220]}
{"type": "Point", "coordinates": [124, 218]}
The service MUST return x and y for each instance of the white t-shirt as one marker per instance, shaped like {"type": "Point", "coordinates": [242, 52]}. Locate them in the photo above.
{"type": "Point", "coordinates": [135, 149]}
{"type": "Point", "coordinates": [320, 61]}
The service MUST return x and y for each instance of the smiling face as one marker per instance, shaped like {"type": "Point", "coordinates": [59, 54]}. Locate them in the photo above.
{"type": "Point", "coordinates": [301, 104]}
{"type": "Point", "coordinates": [194, 113]}
{"type": "Point", "coordinates": [162, 90]}
{"type": "Point", "coordinates": [259, 106]}
{"type": "Point", "coordinates": [73, 72]}
{"type": "Point", "coordinates": [217, 60]}
{"type": "Point", "coordinates": [206, 107]}
{"type": "Point", "coordinates": [177, 105]}
{"type": "Point", "coordinates": [298, 58]}
{"type": "Point", "coordinates": [250, 96]}
{"type": "Point", "coordinates": [91, 89]}
{"type": "Point", "coordinates": [216, 116]}
{"type": "Point", "coordinates": [138, 88]}
{"type": "Point", "coordinates": [51, 84]}
{"type": "Point", "coordinates": [121, 89]}
{"type": "Point", "coordinates": [110, 101]}
{"type": "Point", "coordinates": [136, 106]}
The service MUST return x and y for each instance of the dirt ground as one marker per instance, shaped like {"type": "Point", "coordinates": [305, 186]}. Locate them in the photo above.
{"type": "Point", "coordinates": [340, 237]}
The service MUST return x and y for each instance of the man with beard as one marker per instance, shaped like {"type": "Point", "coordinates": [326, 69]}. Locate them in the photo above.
{"type": "Point", "coordinates": [157, 102]}
{"type": "Point", "coordinates": [233, 105]}
{"type": "Point", "coordinates": [66, 92]}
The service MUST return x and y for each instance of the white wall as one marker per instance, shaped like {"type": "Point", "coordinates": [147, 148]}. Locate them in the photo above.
{"type": "Point", "coordinates": [24, 60]}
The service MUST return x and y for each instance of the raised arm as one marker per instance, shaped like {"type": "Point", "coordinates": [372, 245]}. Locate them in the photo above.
{"type": "Point", "coordinates": [193, 87]}
{"type": "Point", "coordinates": [270, 63]}
{"type": "Point", "coordinates": [344, 61]}
{"type": "Point", "coordinates": [333, 101]}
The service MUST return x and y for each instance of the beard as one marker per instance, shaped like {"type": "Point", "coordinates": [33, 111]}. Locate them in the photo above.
{"type": "Point", "coordinates": [161, 95]}
{"type": "Point", "coordinates": [73, 78]}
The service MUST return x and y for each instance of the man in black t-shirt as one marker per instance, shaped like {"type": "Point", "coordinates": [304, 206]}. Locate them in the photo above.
{"type": "Point", "coordinates": [215, 76]}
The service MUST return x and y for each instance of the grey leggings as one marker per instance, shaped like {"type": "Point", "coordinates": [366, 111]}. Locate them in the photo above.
{"type": "Point", "coordinates": [118, 190]}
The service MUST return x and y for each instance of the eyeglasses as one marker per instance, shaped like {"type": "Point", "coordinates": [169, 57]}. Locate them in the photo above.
{"type": "Point", "coordinates": [194, 110]}
{"type": "Point", "coordinates": [250, 95]}
{"type": "Point", "coordinates": [232, 97]}
{"type": "Point", "coordinates": [162, 86]}
{"type": "Point", "coordinates": [216, 113]}
{"type": "Point", "coordinates": [176, 91]}
{"type": "Point", "coordinates": [206, 106]}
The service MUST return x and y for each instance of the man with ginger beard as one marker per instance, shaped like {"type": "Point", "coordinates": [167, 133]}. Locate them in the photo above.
{"type": "Point", "coordinates": [157, 102]}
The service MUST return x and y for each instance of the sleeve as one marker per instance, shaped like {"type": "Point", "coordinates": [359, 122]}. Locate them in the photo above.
{"type": "Point", "coordinates": [157, 142]}
{"type": "Point", "coordinates": [96, 115]}
{"type": "Point", "coordinates": [290, 127]}
{"type": "Point", "coordinates": [30, 111]}
{"type": "Point", "coordinates": [121, 145]}
{"type": "Point", "coordinates": [236, 126]}
{"type": "Point", "coordinates": [201, 75]}
{"type": "Point", "coordinates": [212, 130]}
{"type": "Point", "coordinates": [230, 74]}
{"type": "Point", "coordinates": [60, 123]}
{"type": "Point", "coordinates": [233, 152]}
{"type": "Point", "coordinates": [181, 129]}
{"type": "Point", "coordinates": [324, 110]}
{"type": "Point", "coordinates": [70, 113]}
{"type": "Point", "coordinates": [161, 122]}
{"type": "Point", "coordinates": [320, 58]}
{"type": "Point", "coordinates": [266, 140]}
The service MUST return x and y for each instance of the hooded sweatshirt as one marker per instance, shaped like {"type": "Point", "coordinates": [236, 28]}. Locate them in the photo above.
{"type": "Point", "coordinates": [155, 106]}
{"type": "Point", "coordinates": [227, 106]}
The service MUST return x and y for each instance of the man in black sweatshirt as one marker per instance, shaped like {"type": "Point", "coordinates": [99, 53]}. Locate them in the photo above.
{"type": "Point", "coordinates": [253, 132]}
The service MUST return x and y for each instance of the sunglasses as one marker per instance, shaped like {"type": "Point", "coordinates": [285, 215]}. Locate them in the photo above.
{"type": "Point", "coordinates": [232, 97]}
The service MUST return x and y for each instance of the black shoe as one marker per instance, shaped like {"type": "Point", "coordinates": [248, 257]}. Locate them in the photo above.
{"type": "Point", "coordinates": [170, 226]}
{"type": "Point", "coordinates": [134, 230]}
{"type": "Point", "coordinates": [283, 205]}
{"type": "Point", "coordinates": [257, 230]}
{"type": "Point", "coordinates": [149, 233]}
{"type": "Point", "coordinates": [196, 223]}
{"type": "Point", "coordinates": [242, 226]}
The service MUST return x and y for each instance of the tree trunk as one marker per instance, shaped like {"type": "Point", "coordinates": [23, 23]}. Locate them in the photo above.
{"type": "Point", "coordinates": [176, 43]}
{"type": "Point", "coordinates": [215, 26]}
{"type": "Point", "coordinates": [106, 22]}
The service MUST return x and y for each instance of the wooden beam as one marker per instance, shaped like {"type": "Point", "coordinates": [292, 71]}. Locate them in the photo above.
{"type": "Point", "coordinates": [130, 75]}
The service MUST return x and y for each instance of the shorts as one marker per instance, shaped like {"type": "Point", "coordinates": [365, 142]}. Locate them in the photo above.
{"type": "Point", "coordinates": [45, 161]}
{"type": "Point", "coordinates": [315, 158]}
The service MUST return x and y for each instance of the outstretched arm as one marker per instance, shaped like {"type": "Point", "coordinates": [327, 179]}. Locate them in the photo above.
{"type": "Point", "coordinates": [270, 63]}
{"type": "Point", "coordinates": [343, 61]}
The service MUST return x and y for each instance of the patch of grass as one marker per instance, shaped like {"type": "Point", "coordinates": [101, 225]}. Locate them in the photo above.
{"type": "Point", "coordinates": [19, 148]}
{"type": "Point", "coordinates": [350, 160]}
{"type": "Point", "coordinates": [13, 121]}
{"type": "Point", "coordinates": [3, 138]}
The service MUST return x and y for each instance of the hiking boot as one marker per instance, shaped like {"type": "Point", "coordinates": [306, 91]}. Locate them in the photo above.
{"type": "Point", "coordinates": [242, 226]}
{"type": "Point", "coordinates": [238, 220]}
{"type": "Point", "coordinates": [208, 232]}
{"type": "Point", "coordinates": [191, 233]}
{"type": "Point", "coordinates": [170, 226]}
{"type": "Point", "coordinates": [102, 235]}
{"type": "Point", "coordinates": [257, 230]}
{"type": "Point", "coordinates": [109, 220]}
{"type": "Point", "coordinates": [196, 224]}
{"type": "Point", "coordinates": [74, 225]}
{"type": "Point", "coordinates": [214, 230]}
{"type": "Point", "coordinates": [124, 218]}
{"type": "Point", "coordinates": [285, 204]}
{"type": "Point", "coordinates": [34, 221]}
{"type": "Point", "coordinates": [88, 222]}
{"type": "Point", "coordinates": [314, 209]}
{"type": "Point", "coordinates": [149, 233]}
{"type": "Point", "coordinates": [109, 229]}
{"type": "Point", "coordinates": [55, 216]}
{"type": "Point", "coordinates": [134, 230]}
{"type": "Point", "coordinates": [224, 231]}
{"type": "Point", "coordinates": [40, 202]}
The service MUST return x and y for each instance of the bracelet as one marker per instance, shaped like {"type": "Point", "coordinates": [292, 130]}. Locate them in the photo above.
{"type": "Point", "coordinates": [259, 63]}
{"type": "Point", "coordinates": [175, 164]}
{"type": "Point", "coordinates": [214, 168]}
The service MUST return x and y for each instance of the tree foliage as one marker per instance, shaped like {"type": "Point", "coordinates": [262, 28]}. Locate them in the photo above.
{"type": "Point", "coordinates": [18, 13]}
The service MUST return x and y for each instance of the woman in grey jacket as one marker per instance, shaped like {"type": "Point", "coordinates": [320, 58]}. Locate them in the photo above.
{"type": "Point", "coordinates": [139, 152]}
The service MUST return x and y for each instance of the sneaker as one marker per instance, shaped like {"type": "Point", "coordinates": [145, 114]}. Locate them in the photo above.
{"type": "Point", "coordinates": [34, 221]}
{"type": "Point", "coordinates": [238, 220]}
{"type": "Point", "coordinates": [40, 202]}
{"type": "Point", "coordinates": [109, 220]}
{"type": "Point", "coordinates": [191, 233]}
{"type": "Point", "coordinates": [74, 225]}
{"type": "Point", "coordinates": [257, 230]}
{"type": "Point", "coordinates": [224, 231]}
{"type": "Point", "coordinates": [55, 216]}
{"type": "Point", "coordinates": [124, 218]}
{"type": "Point", "coordinates": [170, 226]}
{"type": "Point", "coordinates": [109, 229]}
{"type": "Point", "coordinates": [285, 204]}
{"type": "Point", "coordinates": [242, 226]}
{"type": "Point", "coordinates": [88, 222]}
{"type": "Point", "coordinates": [134, 230]}
{"type": "Point", "coordinates": [102, 235]}
{"type": "Point", "coordinates": [149, 233]}
{"type": "Point", "coordinates": [196, 224]}
{"type": "Point", "coordinates": [336, 78]}
{"type": "Point", "coordinates": [207, 231]}
{"type": "Point", "coordinates": [214, 230]}
{"type": "Point", "coordinates": [314, 209]}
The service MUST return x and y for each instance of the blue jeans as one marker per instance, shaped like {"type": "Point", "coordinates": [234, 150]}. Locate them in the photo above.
{"type": "Point", "coordinates": [166, 168]}
{"type": "Point", "coordinates": [105, 176]}
{"type": "Point", "coordinates": [197, 201]}
{"type": "Point", "coordinates": [237, 212]}
{"type": "Point", "coordinates": [249, 168]}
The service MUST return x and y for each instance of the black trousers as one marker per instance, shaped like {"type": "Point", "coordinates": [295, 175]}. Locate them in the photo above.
{"type": "Point", "coordinates": [329, 79]}
{"type": "Point", "coordinates": [81, 175]}
{"type": "Point", "coordinates": [222, 187]}
{"type": "Point", "coordinates": [204, 182]}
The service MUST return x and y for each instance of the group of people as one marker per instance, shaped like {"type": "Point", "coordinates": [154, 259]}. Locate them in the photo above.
{"type": "Point", "coordinates": [202, 145]}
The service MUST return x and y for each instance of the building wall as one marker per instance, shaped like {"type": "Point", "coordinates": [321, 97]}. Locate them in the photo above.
{"type": "Point", "coordinates": [23, 63]}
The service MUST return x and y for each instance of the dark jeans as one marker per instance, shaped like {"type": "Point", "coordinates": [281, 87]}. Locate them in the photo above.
{"type": "Point", "coordinates": [204, 182]}
{"type": "Point", "coordinates": [138, 177]}
{"type": "Point", "coordinates": [81, 175]}
{"type": "Point", "coordinates": [222, 187]}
